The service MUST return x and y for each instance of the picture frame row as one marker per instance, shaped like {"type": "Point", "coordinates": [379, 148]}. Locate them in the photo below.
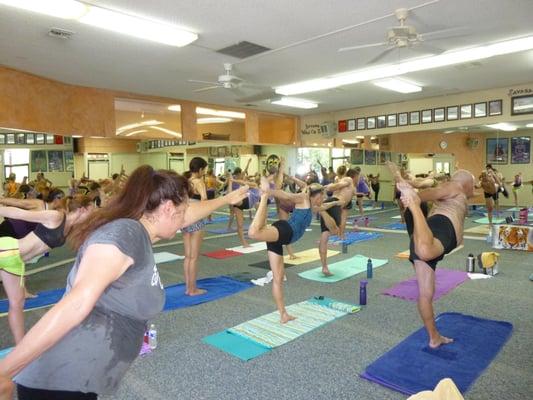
{"type": "Point", "coordinates": [52, 161]}
{"type": "Point", "coordinates": [373, 157]}
{"type": "Point", "coordinates": [158, 144]}
{"type": "Point", "coordinates": [33, 139]}
{"type": "Point", "coordinates": [497, 150]}
{"type": "Point", "coordinates": [439, 114]}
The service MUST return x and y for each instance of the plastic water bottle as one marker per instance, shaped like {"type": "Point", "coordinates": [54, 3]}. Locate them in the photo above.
{"type": "Point", "coordinates": [470, 263]}
{"type": "Point", "coordinates": [369, 269]}
{"type": "Point", "coordinates": [362, 292]}
{"type": "Point", "coordinates": [382, 205]}
{"type": "Point", "coordinates": [152, 337]}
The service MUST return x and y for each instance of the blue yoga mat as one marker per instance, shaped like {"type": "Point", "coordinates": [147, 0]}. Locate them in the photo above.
{"type": "Point", "coordinates": [217, 219]}
{"type": "Point", "coordinates": [5, 352]}
{"type": "Point", "coordinates": [412, 366]}
{"type": "Point", "coordinates": [397, 226]}
{"type": "Point", "coordinates": [354, 237]}
{"type": "Point", "coordinates": [217, 288]}
{"type": "Point", "coordinates": [43, 299]}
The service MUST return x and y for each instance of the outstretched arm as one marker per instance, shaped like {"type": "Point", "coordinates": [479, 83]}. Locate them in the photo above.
{"type": "Point", "coordinates": [27, 204]}
{"type": "Point", "coordinates": [282, 195]}
{"type": "Point", "coordinates": [48, 217]}
{"type": "Point", "coordinates": [336, 186]}
{"type": "Point", "coordinates": [444, 191]}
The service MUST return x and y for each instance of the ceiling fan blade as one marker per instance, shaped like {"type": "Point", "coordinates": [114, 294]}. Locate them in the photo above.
{"type": "Point", "coordinates": [205, 89]}
{"type": "Point", "coordinates": [265, 95]}
{"type": "Point", "coordinates": [446, 33]}
{"type": "Point", "coordinates": [204, 82]}
{"type": "Point", "coordinates": [237, 91]}
{"type": "Point", "coordinates": [423, 47]}
{"type": "Point", "coordinates": [382, 55]}
{"type": "Point", "coordinates": [362, 46]}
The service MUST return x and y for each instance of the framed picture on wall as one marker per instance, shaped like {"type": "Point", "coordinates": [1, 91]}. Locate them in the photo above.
{"type": "Point", "coordinates": [427, 116]}
{"type": "Point", "coordinates": [452, 113]}
{"type": "Point", "coordinates": [30, 138]}
{"type": "Point", "coordinates": [50, 139]}
{"type": "Point", "coordinates": [497, 151]}
{"type": "Point", "coordinates": [495, 107]}
{"type": "Point", "coordinates": [480, 110]}
{"type": "Point", "coordinates": [351, 124]}
{"type": "Point", "coordinates": [55, 161]}
{"type": "Point", "coordinates": [522, 105]}
{"type": "Point", "coordinates": [403, 119]}
{"type": "Point", "coordinates": [2, 138]}
{"type": "Point", "coordinates": [520, 150]}
{"type": "Point", "coordinates": [391, 120]}
{"type": "Point", "coordinates": [38, 161]}
{"type": "Point", "coordinates": [384, 156]}
{"type": "Point", "coordinates": [438, 114]}
{"type": "Point", "coordinates": [342, 126]}
{"type": "Point", "coordinates": [20, 138]}
{"type": "Point", "coordinates": [370, 157]}
{"type": "Point", "coordinates": [360, 124]}
{"type": "Point", "coordinates": [466, 111]}
{"type": "Point", "coordinates": [10, 138]}
{"type": "Point", "coordinates": [382, 121]}
{"type": "Point", "coordinates": [370, 122]}
{"type": "Point", "coordinates": [356, 156]}
{"type": "Point", "coordinates": [414, 117]}
{"type": "Point", "coordinates": [39, 138]}
{"type": "Point", "coordinates": [69, 161]}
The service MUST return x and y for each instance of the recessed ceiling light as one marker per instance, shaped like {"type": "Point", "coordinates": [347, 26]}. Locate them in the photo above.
{"type": "Point", "coordinates": [503, 126]}
{"type": "Point", "coordinates": [174, 107]}
{"type": "Point", "coordinates": [220, 113]}
{"type": "Point", "coordinates": [398, 85]}
{"type": "Point", "coordinates": [452, 57]}
{"type": "Point", "coordinates": [213, 120]}
{"type": "Point", "coordinates": [297, 103]}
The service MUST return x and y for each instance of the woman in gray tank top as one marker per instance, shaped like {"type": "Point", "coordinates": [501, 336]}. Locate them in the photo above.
{"type": "Point", "coordinates": [84, 345]}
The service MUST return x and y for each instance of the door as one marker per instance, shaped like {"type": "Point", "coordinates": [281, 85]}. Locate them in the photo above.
{"type": "Point", "coordinates": [176, 164]}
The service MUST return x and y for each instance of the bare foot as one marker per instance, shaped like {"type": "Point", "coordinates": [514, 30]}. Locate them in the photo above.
{"type": "Point", "coordinates": [439, 341]}
{"type": "Point", "coordinates": [286, 318]}
{"type": "Point", "coordinates": [195, 292]}
{"type": "Point", "coordinates": [246, 244]}
{"type": "Point", "coordinates": [29, 295]}
{"type": "Point", "coordinates": [293, 257]}
{"type": "Point", "coordinates": [326, 272]}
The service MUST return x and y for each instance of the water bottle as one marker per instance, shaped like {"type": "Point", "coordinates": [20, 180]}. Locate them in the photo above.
{"type": "Point", "coordinates": [362, 292]}
{"type": "Point", "coordinates": [152, 337]}
{"type": "Point", "coordinates": [47, 254]}
{"type": "Point", "coordinates": [470, 263]}
{"type": "Point", "coordinates": [382, 205]}
{"type": "Point", "coordinates": [369, 269]}
{"type": "Point", "coordinates": [145, 339]}
{"type": "Point", "coordinates": [489, 237]}
{"type": "Point", "coordinates": [367, 221]}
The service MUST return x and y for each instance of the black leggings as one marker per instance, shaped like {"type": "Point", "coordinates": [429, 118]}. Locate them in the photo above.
{"type": "Point", "coordinates": [25, 393]}
{"type": "Point", "coordinates": [375, 188]}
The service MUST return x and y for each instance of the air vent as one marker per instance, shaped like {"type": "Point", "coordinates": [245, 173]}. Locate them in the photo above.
{"type": "Point", "coordinates": [250, 105]}
{"type": "Point", "coordinates": [243, 50]}
{"type": "Point", "coordinates": [60, 33]}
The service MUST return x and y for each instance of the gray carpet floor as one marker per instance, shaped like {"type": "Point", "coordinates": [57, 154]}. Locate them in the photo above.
{"type": "Point", "coordinates": [325, 363]}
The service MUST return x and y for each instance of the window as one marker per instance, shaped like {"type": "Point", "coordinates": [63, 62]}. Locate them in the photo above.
{"type": "Point", "coordinates": [309, 157]}
{"type": "Point", "coordinates": [339, 157]}
{"type": "Point", "coordinates": [17, 161]}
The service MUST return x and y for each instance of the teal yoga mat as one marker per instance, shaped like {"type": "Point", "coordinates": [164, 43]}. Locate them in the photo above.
{"type": "Point", "coordinates": [165, 256]}
{"type": "Point", "coordinates": [238, 346]}
{"type": "Point", "coordinates": [485, 220]}
{"type": "Point", "coordinates": [342, 269]}
{"type": "Point", "coordinates": [5, 352]}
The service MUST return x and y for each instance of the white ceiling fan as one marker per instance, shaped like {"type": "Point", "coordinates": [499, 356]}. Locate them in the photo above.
{"type": "Point", "coordinates": [226, 81]}
{"type": "Point", "coordinates": [406, 36]}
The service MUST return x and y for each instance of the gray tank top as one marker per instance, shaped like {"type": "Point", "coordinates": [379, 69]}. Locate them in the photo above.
{"type": "Point", "coordinates": [94, 356]}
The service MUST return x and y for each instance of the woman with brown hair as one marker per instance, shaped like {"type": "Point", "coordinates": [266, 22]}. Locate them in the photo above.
{"type": "Point", "coordinates": [85, 344]}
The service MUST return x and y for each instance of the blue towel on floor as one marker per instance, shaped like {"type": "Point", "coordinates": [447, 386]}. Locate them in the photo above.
{"type": "Point", "coordinates": [218, 287]}
{"type": "Point", "coordinates": [354, 237]}
{"type": "Point", "coordinates": [43, 299]}
{"type": "Point", "coordinates": [398, 226]}
{"type": "Point", "coordinates": [412, 366]}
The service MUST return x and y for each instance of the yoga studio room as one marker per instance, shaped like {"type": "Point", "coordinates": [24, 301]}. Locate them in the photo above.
{"type": "Point", "coordinates": [266, 200]}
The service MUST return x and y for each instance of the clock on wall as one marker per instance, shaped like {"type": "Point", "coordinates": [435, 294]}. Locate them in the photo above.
{"type": "Point", "coordinates": [443, 145]}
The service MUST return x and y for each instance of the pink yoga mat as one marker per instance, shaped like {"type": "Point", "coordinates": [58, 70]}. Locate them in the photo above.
{"type": "Point", "coordinates": [445, 281]}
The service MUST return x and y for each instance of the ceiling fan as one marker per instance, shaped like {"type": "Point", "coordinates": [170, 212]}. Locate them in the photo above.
{"type": "Point", "coordinates": [406, 36]}
{"type": "Point", "coordinates": [226, 81]}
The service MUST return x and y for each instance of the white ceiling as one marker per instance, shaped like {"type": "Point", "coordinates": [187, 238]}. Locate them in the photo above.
{"type": "Point", "coordinates": [104, 59]}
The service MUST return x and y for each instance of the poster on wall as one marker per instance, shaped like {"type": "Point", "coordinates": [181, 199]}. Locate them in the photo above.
{"type": "Point", "coordinates": [38, 161]}
{"type": "Point", "coordinates": [69, 161]}
{"type": "Point", "coordinates": [356, 156]}
{"type": "Point", "coordinates": [520, 150]}
{"type": "Point", "coordinates": [55, 161]}
{"type": "Point", "coordinates": [370, 157]}
{"type": "Point", "coordinates": [384, 156]}
{"type": "Point", "coordinates": [497, 151]}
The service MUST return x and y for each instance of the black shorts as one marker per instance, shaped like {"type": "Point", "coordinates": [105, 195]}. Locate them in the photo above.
{"type": "Point", "coordinates": [245, 205]}
{"type": "Point", "coordinates": [397, 194]}
{"type": "Point", "coordinates": [210, 194]}
{"type": "Point", "coordinates": [489, 195]}
{"type": "Point", "coordinates": [285, 236]}
{"type": "Point", "coordinates": [25, 393]}
{"type": "Point", "coordinates": [348, 206]}
{"type": "Point", "coordinates": [334, 212]}
{"type": "Point", "coordinates": [442, 229]}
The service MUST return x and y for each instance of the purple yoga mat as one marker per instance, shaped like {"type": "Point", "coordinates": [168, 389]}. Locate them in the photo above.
{"type": "Point", "coordinates": [445, 281]}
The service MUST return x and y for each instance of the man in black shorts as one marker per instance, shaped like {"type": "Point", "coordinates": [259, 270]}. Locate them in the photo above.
{"type": "Point", "coordinates": [335, 213]}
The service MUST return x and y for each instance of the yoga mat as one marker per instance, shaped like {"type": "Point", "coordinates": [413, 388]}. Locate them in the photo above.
{"type": "Point", "coordinates": [219, 231]}
{"type": "Point", "coordinates": [217, 288]}
{"type": "Point", "coordinates": [371, 208]}
{"type": "Point", "coordinates": [221, 254]}
{"type": "Point", "coordinates": [307, 256]}
{"type": "Point", "coordinates": [485, 220]}
{"type": "Point", "coordinates": [397, 217]}
{"type": "Point", "coordinates": [265, 265]}
{"type": "Point", "coordinates": [217, 219]}
{"type": "Point", "coordinates": [342, 269]}
{"type": "Point", "coordinates": [398, 226]}
{"type": "Point", "coordinates": [5, 352]}
{"type": "Point", "coordinates": [481, 229]}
{"type": "Point", "coordinates": [44, 299]}
{"type": "Point", "coordinates": [445, 281]}
{"type": "Point", "coordinates": [35, 259]}
{"type": "Point", "coordinates": [412, 366]}
{"type": "Point", "coordinates": [254, 247]}
{"type": "Point", "coordinates": [354, 237]}
{"type": "Point", "coordinates": [258, 336]}
{"type": "Point", "coordinates": [405, 254]}
{"type": "Point", "coordinates": [165, 256]}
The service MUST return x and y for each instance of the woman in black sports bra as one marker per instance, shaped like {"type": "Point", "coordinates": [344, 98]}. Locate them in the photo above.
{"type": "Point", "coordinates": [52, 228]}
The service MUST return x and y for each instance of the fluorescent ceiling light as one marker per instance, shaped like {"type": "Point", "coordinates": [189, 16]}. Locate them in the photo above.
{"type": "Point", "coordinates": [386, 71]}
{"type": "Point", "coordinates": [138, 125]}
{"type": "Point", "coordinates": [297, 103]}
{"type": "Point", "coordinates": [174, 107]}
{"type": "Point", "coordinates": [214, 120]}
{"type": "Point", "coordinates": [136, 132]}
{"type": "Point", "coordinates": [67, 9]}
{"type": "Point", "coordinates": [168, 131]}
{"type": "Point", "coordinates": [220, 113]}
{"type": "Point", "coordinates": [77, 136]}
{"type": "Point", "coordinates": [529, 126]}
{"type": "Point", "coordinates": [348, 141]}
{"type": "Point", "coordinates": [97, 137]}
{"type": "Point", "coordinates": [503, 126]}
{"type": "Point", "coordinates": [398, 85]}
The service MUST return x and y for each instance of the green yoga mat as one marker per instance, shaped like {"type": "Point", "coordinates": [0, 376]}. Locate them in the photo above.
{"type": "Point", "coordinates": [485, 220]}
{"type": "Point", "coordinates": [342, 269]}
{"type": "Point", "coordinates": [165, 256]}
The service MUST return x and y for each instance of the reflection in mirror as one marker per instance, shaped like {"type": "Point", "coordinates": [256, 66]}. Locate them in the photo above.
{"type": "Point", "coordinates": [137, 119]}
{"type": "Point", "coordinates": [213, 124]}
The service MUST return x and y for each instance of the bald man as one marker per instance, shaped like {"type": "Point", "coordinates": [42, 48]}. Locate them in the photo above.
{"type": "Point", "coordinates": [433, 237]}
